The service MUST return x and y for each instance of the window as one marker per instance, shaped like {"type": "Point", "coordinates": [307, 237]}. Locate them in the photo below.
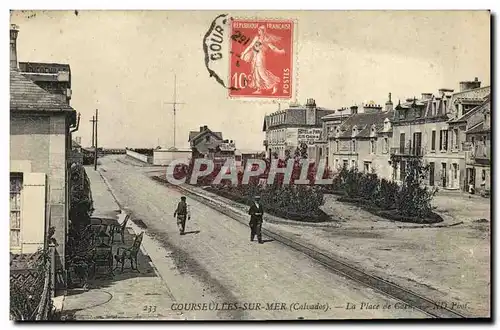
{"type": "Point", "coordinates": [336, 163]}
{"type": "Point", "coordinates": [345, 163]}
{"type": "Point", "coordinates": [337, 146]}
{"type": "Point", "coordinates": [455, 171]}
{"type": "Point", "coordinates": [418, 113]}
{"type": "Point", "coordinates": [433, 141]}
{"type": "Point", "coordinates": [372, 146]}
{"type": "Point", "coordinates": [483, 175]}
{"type": "Point", "coordinates": [386, 145]}
{"type": "Point", "coordinates": [16, 186]}
{"type": "Point", "coordinates": [207, 138]}
{"type": "Point", "coordinates": [456, 138]}
{"type": "Point", "coordinates": [353, 145]}
{"type": "Point", "coordinates": [353, 163]}
{"type": "Point", "coordinates": [367, 167]}
{"type": "Point", "coordinates": [443, 140]}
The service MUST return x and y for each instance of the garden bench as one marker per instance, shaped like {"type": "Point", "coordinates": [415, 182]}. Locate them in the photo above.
{"type": "Point", "coordinates": [119, 229]}
{"type": "Point", "coordinates": [123, 254]}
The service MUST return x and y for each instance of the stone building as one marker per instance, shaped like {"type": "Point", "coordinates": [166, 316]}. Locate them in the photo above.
{"type": "Point", "coordinates": [287, 129]}
{"type": "Point", "coordinates": [362, 141]}
{"type": "Point", "coordinates": [431, 127]}
{"type": "Point", "coordinates": [40, 145]}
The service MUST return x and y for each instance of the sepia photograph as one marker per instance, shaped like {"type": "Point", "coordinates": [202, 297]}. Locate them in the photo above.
{"type": "Point", "coordinates": [237, 165]}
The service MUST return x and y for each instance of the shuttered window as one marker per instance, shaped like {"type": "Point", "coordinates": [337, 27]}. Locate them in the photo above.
{"type": "Point", "coordinates": [16, 186]}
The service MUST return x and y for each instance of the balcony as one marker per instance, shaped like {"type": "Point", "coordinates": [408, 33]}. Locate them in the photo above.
{"type": "Point", "coordinates": [407, 152]}
{"type": "Point", "coordinates": [481, 154]}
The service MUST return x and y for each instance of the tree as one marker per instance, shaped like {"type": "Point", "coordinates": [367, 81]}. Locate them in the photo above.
{"type": "Point", "coordinates": [414, 197]}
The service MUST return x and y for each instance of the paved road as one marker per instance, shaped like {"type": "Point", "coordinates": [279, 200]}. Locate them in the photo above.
{"type": "Point", "coordinates": [218, 254]}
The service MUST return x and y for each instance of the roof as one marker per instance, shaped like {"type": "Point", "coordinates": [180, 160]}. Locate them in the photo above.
{"type": "Point", "coordinates": [25, 95]}
{"type": "Point", "coordinates": [364, 122]}
{"type": "Point", "coordinates": [296, 116]}
{"type": "Point", "coordinates": [194, 134]}
{"type": "Point", "coordinates": [486, 104]}
{"type": "Point", "coordinates": [479, 128]}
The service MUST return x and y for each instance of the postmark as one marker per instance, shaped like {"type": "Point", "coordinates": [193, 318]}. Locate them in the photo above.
{"type": "Point", "coordinates": [253, 58]}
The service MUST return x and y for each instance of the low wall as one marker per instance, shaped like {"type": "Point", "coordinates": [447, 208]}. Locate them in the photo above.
{"type": "Point", "coordinates": [138, 156]}
{"type": "Point", "coordinates": [165, 157]}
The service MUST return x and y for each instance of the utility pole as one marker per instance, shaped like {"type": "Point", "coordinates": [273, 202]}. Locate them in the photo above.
{"type": "Point", "coordinates": [93, 128]}
{"type": "Point", "coordinates": [175, 102]}
{"type": "Point", "coordinates": [95, 149]}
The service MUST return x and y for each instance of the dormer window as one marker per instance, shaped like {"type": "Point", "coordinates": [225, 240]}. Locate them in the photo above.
{"type": "Point", "coordinates": [354, 131]}
{"type": "Point", "coordinates": [418, 113]}
{"type": "Point", "coordinates": [387, 124]}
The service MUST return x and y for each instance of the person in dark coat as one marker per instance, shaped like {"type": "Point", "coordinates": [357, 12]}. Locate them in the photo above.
{"type": "Point", "coordinates": [182, 212]}
{"type": "Point", "coordinates": [256, 213]}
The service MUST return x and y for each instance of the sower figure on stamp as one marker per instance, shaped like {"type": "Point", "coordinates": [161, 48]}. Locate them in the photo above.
{"type": "Point", "coordinates": [256, 212]}
{"type": "Point", "coordinates": [182, 212]}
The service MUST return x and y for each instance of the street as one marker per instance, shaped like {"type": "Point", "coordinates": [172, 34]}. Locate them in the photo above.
{"type": "Point", "coordinates": [218, 258]}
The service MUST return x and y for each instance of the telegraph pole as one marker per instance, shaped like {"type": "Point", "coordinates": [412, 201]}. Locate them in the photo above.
{"type": "Point", "coordinates": [175, 102]}
{"type": "Point", "coordinates": [93, 127]}
{"type": "Point", "coordinates": [95, 149]}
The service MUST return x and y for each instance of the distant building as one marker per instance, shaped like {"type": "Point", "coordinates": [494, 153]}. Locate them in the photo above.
{"type": "Point", "coordinates": [287, 129]}
{"type": "Point", "coordinates": [208, 144]}
{"type": "Point", "coordinates": [40, 145]}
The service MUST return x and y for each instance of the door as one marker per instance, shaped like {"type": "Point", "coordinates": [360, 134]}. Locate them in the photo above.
{"type": "Point", "coordinates": [431, 174]}
{"type": "Point", "coordinates": [456, 176]}
{"type": "Point", "coordinates": [443, 174]}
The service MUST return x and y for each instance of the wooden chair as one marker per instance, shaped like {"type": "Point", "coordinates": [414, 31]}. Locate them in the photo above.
{"type": "Point", "coordinates": [123, 254]}
{"type": "Point", "coordinates": [119, 229]}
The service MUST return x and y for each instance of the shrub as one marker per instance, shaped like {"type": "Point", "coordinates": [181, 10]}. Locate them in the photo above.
{"type": "Point", "coordinates": [386, 194]}
{"type": "Point", "coordinates": [368, 185]}
{"type": "Point", "coordinates": [414, 198]}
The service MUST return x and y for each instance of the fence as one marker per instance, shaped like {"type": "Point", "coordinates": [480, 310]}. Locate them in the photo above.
{"type": "Point", "coordinates": [138, 156]}
{"type": "Point", "coordinates": [32, 279]}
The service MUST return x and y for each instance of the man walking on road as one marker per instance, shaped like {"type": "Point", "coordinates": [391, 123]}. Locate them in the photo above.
{"type": "Point", "coordinates": [256, 212]}
{"type": "Point", "coordinates": [182, 212]}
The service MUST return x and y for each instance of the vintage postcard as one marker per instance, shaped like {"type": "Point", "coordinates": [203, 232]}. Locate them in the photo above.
{"type": "Point", "coordinates": [250, 165]}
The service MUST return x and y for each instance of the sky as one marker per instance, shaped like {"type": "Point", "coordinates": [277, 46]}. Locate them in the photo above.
{"type": "Point", "coordinates": [123, 63]}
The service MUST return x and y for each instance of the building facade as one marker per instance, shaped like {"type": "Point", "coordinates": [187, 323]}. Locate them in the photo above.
{"type": "Point", "coordinates": [362, 141]}
{"type": "Point", "coordinates": [287, 129]}
{"type": "Point", "coordinates": [206, 143]}
{"type": "Point", "coordinates": [431, 127]}
{"type": "Point", "coordinates": [40, 146]}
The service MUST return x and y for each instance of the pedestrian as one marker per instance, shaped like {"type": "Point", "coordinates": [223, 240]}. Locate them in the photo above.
{"type": "Point", "coordinates": [256, 212]}
{"type": "Point", "coordinates": [182, 212]}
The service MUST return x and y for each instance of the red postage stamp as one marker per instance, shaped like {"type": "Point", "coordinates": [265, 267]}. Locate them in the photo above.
{"type": "Point", "coordinates": [261, 58]}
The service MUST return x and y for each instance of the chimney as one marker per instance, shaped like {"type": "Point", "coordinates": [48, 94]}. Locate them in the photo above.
{"type": "Point", "coordinates": [468, 85]}
{"type": "Point", "coordinates": [388, 105]}
{"type": "Point", "coordinates": [354, 110]}
{"type": "Point", "coordinates": [14, 30]}
{"type": "Point", "coordinates": [201, 128]}
{"type": "Point", "coordinates": [426, 96]}
{"type": "Point", "coordinates": [311, 112]}
{"type": "Point", "coordinates": [205, 127]}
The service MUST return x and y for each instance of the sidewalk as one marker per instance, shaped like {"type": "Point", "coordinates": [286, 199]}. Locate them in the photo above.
{"type": "Point", "coordinates": [127, 295]}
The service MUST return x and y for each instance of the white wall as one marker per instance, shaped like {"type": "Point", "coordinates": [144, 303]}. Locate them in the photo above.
{"type": "Point", "coordinates": [164, 157]}
{"type": "Point", "coordinates": [138, 156]}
